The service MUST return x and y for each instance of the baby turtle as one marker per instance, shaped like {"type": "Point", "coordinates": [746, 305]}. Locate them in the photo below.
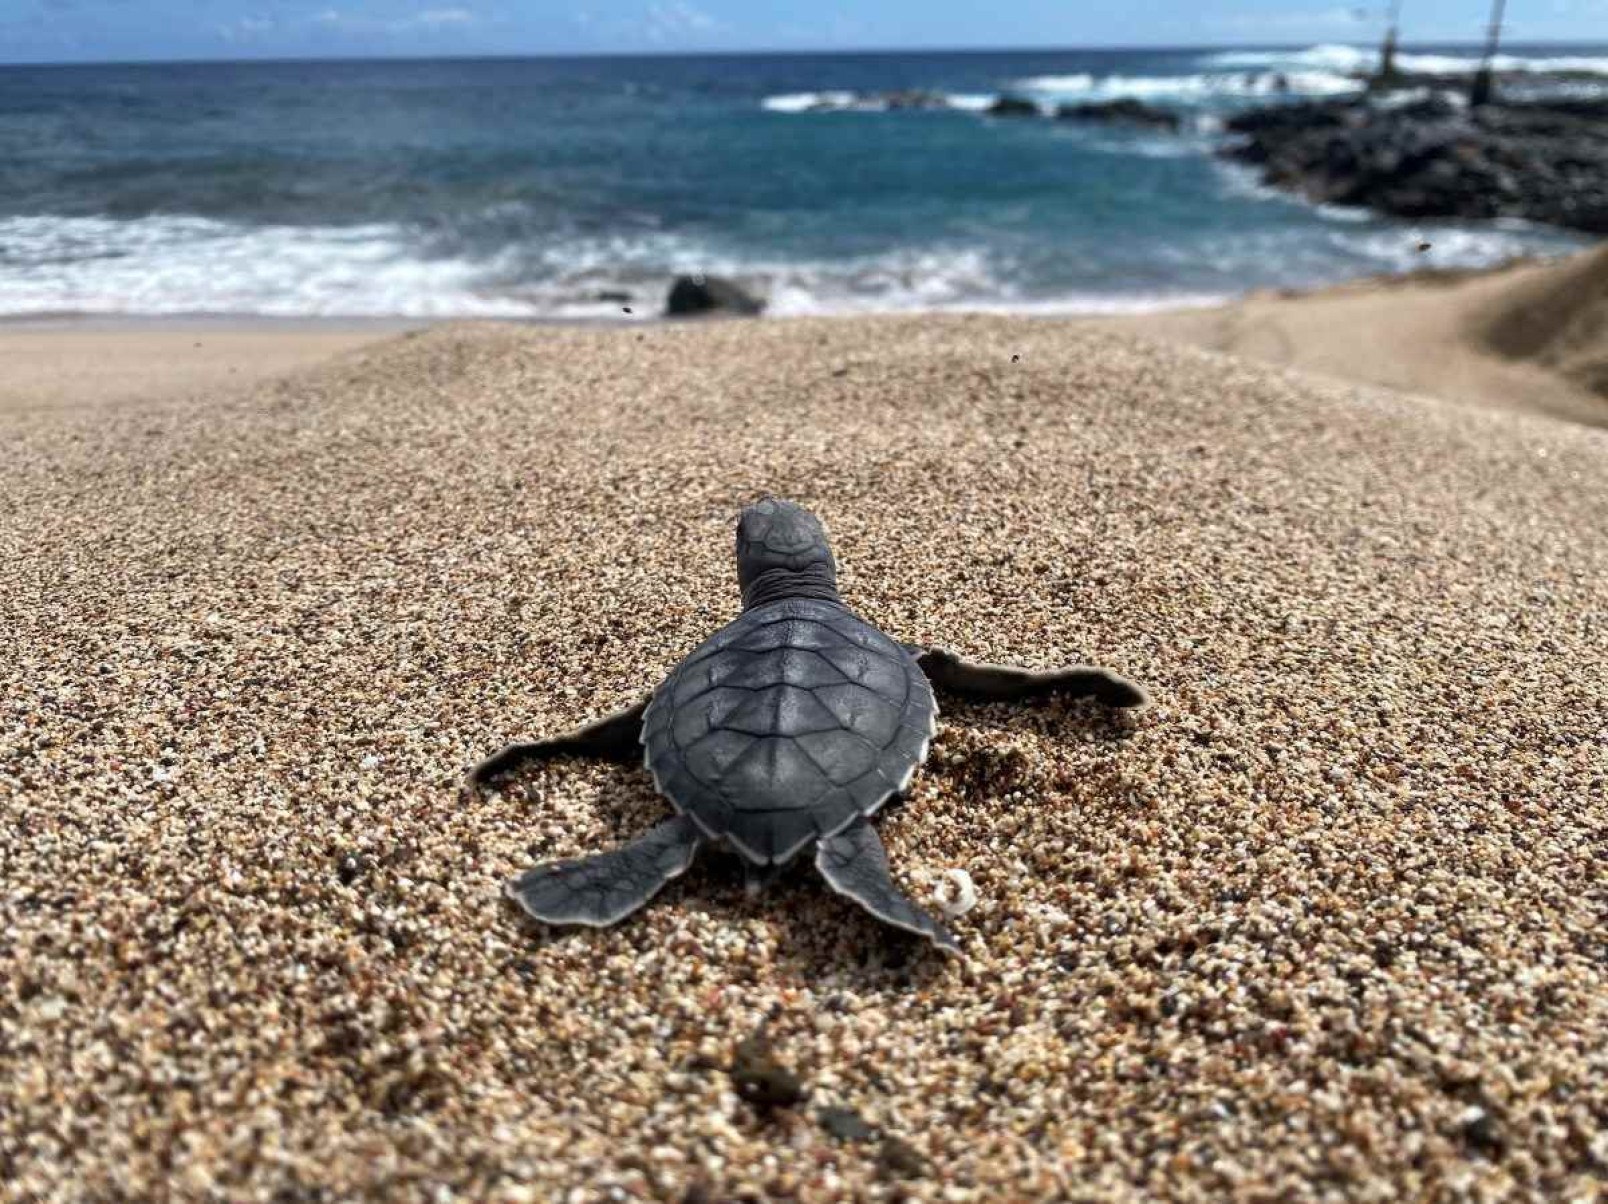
{"type": "Point", "coordinates": [786, 730]}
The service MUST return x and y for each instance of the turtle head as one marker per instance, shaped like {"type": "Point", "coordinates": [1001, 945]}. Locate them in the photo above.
{"type": "Point", "coordinates": [782, 553]}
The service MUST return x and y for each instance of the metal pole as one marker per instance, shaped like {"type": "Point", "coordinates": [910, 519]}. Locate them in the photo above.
{"type": "Point", "coordinates": [1480, 92]}
{"type": "Point", "coordinates": [1387, 52]}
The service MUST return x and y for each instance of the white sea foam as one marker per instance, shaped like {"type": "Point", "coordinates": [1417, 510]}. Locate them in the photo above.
{"type": "Point", "coordinates": [1347, 59]}
{"type": "Point", "coordinates": [937, 280]}
{"type": "Point", "coordinates": [1059, 84]}
{"type": "Point", "coordinates": [1395, 249]}
{"type": "Point", "coordinates": [192, 265]}
{"type": "Point", "coordinates": [175, 265]}
{"type": "Point", "coordinates": [1439, 64]}
{"type": "Point", "coordinates": [1330, 57]}
{"type": "Point", "coordinates": [803, 102]}
{"type": "Point", "coordinates": [165, 265]}
{"type": "Point", "coordinates": [1200, 86]}
{"type": "Point", "coordinates": [857, 102]}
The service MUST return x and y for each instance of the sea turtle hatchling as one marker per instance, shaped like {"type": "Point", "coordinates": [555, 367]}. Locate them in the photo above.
{"type": "Point", "coordinates": [786, 730]}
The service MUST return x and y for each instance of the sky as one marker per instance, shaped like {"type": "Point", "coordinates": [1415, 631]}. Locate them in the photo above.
{"type": "Point", "coordinates": [124, 30]}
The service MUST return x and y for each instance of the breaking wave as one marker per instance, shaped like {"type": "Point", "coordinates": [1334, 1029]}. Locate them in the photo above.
{"type": "Point", "coordinates": [1201, 86]}
{"type": "Point", "coordinates": [189, 265]}
{"type": "Point", "coordinates": [1347, 59]}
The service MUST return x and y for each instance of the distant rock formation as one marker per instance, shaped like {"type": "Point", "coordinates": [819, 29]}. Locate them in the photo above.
{"type": "Point", "coordinates": [1123, 112]}
{"type": "Point", "coordinates": [1014, 106]}
{"type": "Point", "coordinates": [692, 296]}
{"type": "Point", "coordinates": [914, 98]}
{"type": "Point", "coordinates": [1544, 161]}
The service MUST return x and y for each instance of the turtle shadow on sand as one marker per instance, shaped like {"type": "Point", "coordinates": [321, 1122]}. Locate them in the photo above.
{"type": "Point", "coordinates": [1072, 723]}
{"type": "Point", "coordinates": [859, 954]}
{"type": "Point", "coordinates": [782, 734]}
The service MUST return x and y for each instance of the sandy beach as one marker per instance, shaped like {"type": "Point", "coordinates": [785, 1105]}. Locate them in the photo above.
{"type": "Point", "coordinates": [81, 362]}
{"type": "Point", "coordinates": [1529, 336]}
{"type": "Point", "coordinates": [1325, 921]}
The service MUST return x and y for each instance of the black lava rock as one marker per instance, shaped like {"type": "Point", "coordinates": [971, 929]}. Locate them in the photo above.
{"type": "Point", "coordinates": [691, 296]}
{"type": "Point", "coordinates": [1123, 112]}
{"type": "Point", "coordinates": [1014, 106]}
{"type": "Point", "coordinates": [1540, 161]}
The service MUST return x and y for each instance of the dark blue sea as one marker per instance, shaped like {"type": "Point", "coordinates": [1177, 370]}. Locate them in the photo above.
{"type": "Point", "coordinates": [545, 187]}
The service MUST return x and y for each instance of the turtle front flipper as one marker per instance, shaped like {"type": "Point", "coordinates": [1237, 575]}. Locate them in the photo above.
{"type": "Point", "coordinates": [603, 890]}
{"type": "Point", "coordinates": [855, 864]}
{"type": "Point", "coordinates": [615, 737]}
{"type": "Point", "coordinates": [1007, 683]}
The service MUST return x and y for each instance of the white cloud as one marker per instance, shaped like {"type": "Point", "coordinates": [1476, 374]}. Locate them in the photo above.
{"type": "Point", "coordinates": [1328, 18]}
{"type": "Point", "coordinates": [425, 19]}
{"type": "Point", "coordinates": [676, 20]}
{"type": "Point", "coordinates": [245, 29]}
{"type": "Point", "coordinates": [664, 23]}
{"type": "Point", "coordinates": [437, 18]}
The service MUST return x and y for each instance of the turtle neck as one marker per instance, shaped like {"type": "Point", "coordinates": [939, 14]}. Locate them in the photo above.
{"type": "Point", "coordinates": [774, 585]}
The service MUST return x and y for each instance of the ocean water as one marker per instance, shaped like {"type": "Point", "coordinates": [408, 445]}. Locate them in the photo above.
{"type": "Point", "coordinates": [545, 187]}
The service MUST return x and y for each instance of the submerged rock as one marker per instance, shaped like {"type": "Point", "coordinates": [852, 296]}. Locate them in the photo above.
{"type": "Point", "coordinates": [691, 296]}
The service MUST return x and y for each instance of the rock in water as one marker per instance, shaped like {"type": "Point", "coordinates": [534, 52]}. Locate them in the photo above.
{"type": "Point", "coordinates": [1541, 161]}
{"type": "Point", "coordinates": [915, 98]}
{"type": "Point", "coordinates": [694, 295]}
{"type": "Point", "coordinates": [1126, 112]}
{"type": "Point", "coordinates": [1014, 106]}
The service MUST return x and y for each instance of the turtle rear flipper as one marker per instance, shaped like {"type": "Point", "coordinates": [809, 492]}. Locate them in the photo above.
{"type": "Point", "coordinates": [855, 864]}
{"type": "Point", "coordinates": [1007, 683]}
{"type": "Point", "coordinates": [603, 890]}
{"type": "Point", "coordinates": [615, 737]}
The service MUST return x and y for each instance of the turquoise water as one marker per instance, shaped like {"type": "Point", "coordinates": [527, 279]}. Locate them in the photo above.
{"type": "Point", "coordinates": [544, 187]}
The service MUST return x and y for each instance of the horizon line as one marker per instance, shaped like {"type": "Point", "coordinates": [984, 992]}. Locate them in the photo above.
{"type": "Point", "coordinates": [1157, 47]}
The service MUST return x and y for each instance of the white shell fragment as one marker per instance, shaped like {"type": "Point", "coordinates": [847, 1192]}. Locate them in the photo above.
{"type": "Point", "coordinates": [962, 899]}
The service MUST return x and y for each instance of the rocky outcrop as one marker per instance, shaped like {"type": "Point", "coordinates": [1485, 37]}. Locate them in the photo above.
{"type": "Point", "coordinates": [1541, 161]}
{"type": "Point", "coordinates": [1122, 112]}
{"type": "Point", "coordinates": [1014, 106]}
{"type": "Point", "coordinates": [914, 98]}
{"type": "Point", "coordinates": [692, 296]}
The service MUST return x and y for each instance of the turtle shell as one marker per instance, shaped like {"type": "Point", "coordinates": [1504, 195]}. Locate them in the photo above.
{"type": "Point", "coordinates": [786, 725]}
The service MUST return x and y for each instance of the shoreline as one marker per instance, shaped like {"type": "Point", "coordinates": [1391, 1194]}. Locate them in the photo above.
{"type": "Point", "coordinates": [1420, 319]}
{"type": "Point", "coordinates": [1117, 307]}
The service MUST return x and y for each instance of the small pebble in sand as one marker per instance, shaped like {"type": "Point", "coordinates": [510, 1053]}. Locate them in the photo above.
{"type": "Point", "coordinates": [901, 1159]}
{"type": "Point", "coordinates": [759, 1078]}
{"type": "Point", "coordinates": [957, 894]}
{"type": "Point", "coordinates": [845, 1124]}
